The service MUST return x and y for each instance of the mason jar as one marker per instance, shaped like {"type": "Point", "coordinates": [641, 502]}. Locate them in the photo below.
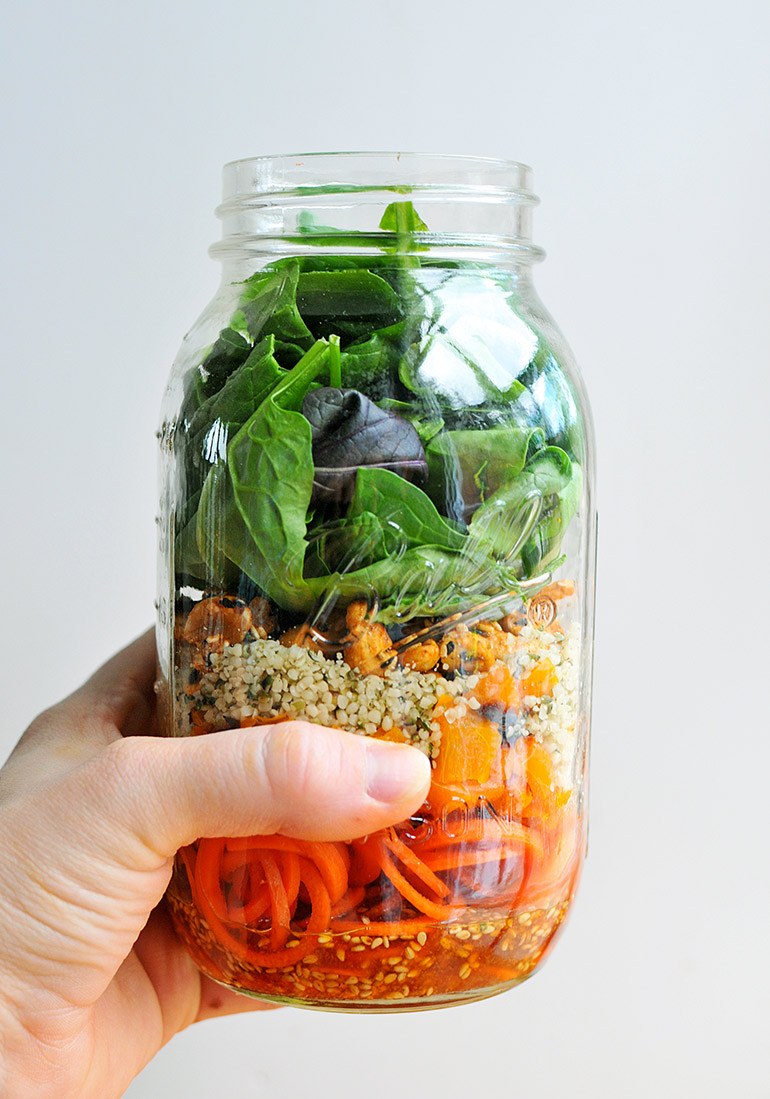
{"type": "Point", "coordinates": [377, 514]}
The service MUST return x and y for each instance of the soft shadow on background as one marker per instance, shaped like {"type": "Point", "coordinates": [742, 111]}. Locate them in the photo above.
{"type": "Point", "coordinates": [647, 129]}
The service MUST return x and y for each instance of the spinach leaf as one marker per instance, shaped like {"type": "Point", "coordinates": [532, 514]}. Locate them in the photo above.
{"type": "Point", "coordinates": [242, 393]}
{"type": "Point", "coordinates": [229, 350]}
{"type": "Point", "coordinates": [371, 364]}
{"type": "Point", "coordinates": [426, 423]}
{"type": "Point", "coordinates": [346, 303]}
{"type": "Point", "coordinates": [347, 545]}
{"type": "Point", "coordinates": [543, 547]}
{"type": "Point", "coordinates": [223, 414]}
{"type": "Point", "coordinates": [423, 580]}
{"type": "Point", "coordinates": [268, 305]}
{"type": "Point", "coordinates": [467, 467]}
{"type": "Point", "coordinates": [402, 218]}
{"type": "Point", "coordinates": [349, 432]}
{"type": "Point", "coordinates": [433, 569]}
{"type": "Point", "coordinates": [441, 371]}
{"type": "Point", "coordinates": [548, 400]}
{"type": "Point", "coordinates": [327, 236]}
{"type": "Point", "coordinates": [392, 499]}
{"type": "Point", "coordinates": [253, 511]}
{"type": "Point", "coordinates": [347, 293]}
{"type": "Point", "coordinates": [549, 477]}
{"type": "Point", "coordinates": [288, 354]}
{"type": "Point", "coordinates": [385, 578]}
{"type": "Point", "coordinates": [399, 217]}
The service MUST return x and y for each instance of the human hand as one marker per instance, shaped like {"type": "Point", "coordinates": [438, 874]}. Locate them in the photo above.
{"type": "Point", "coordinates": [93, 980]}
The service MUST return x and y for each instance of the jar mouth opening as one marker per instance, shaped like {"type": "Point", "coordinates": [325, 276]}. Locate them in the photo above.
{"type": "Point", "coordinates": [358, 170]}
{"type": "Point", "coordinates": [479, 204]}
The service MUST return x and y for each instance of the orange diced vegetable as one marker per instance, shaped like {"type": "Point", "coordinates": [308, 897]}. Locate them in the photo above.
{"type": "Point", "coordinates": [541, 680]}
{"type": "Point", "coordinates": [395, 734]}
{"type": "Point", "coordinates": [539, 767]}
{"type": "Point", "coordinates": [443, 798]}
{"type": "Point", "coordinates": [528, 770]}
{"type": "Point", "coordinates": [469, 743]}
{"type": "Point", "coordinates": [498, 687]}
{"type": "Point", "coordinates": [547, 797]}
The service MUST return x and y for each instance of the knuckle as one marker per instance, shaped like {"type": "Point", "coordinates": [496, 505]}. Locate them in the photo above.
{"type": "Point", "coordinates": [301, 759]}
{"type": "Point", "coordinates": [43, 729]}
{"type": "Point", "coordinates": [291, 758]}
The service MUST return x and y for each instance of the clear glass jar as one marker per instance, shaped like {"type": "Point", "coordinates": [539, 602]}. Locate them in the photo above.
{"type": "Point", "coordinates": [377, 514]}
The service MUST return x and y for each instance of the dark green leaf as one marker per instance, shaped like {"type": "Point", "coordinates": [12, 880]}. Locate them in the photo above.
{"type": "Point", "coordinates": [268, 304]}
{"type": "Point", "coordinates": [228, 352]}
{"type": "Point", "coordinates": [242, 393]}
{"type": "Point", "coordinates": [548, 400]}
{"type": "Point", "coordinates": [350, 293]}
{"type": "Point", "coordinates": [221, 416]}
{"type": "Point", "coordinates": [253, 510]}
{"type": "Point", "coordinates": [467, 467]}
{"type": "Point", "coordinates": [405, 507]}
{"type": "Point", "coordinates": [552, 483]}
{"type": "Point", "coordinates": [371, 365]}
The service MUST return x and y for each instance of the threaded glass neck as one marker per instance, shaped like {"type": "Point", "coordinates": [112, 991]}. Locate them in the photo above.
{"type": "Point", "coordinates": [473, 207]}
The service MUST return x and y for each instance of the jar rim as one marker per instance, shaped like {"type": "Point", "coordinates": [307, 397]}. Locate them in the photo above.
{"type": "Point", "coordinates": [475, 203]}
{"type": "Point", "coordinates": [398, 154]}
{"type": "Point", "coordinates": [377, 169]}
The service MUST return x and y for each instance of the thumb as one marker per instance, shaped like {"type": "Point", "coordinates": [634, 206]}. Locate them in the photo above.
{"type": "Point", "coordinates": [299, 779]}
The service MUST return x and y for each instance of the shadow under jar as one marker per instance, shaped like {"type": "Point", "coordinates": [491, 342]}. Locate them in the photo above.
{"type": "Point", "coordinates": [377, 515]}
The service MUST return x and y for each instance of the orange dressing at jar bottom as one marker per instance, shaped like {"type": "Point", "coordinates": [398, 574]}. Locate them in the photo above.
{"type": "Point", "coordinates": [334, 956]}
{"type": "Point", "coordinates": [363, 969]}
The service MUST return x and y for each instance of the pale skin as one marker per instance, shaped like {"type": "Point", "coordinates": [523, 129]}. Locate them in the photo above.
{"type": "Point", "coordinates": [93, 806]}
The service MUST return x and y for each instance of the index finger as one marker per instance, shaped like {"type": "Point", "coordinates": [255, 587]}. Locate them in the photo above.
{"type": "Point", "coordinates": [117, 700]}
{"type": "Point", "coordinates": [120, 693]}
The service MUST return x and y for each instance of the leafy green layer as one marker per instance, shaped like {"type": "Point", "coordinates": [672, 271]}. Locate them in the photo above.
{"type": "Point", "coordinates": [503, 461]}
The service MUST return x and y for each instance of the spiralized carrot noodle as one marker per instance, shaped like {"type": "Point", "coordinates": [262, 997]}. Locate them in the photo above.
{"type": "Point", "coordinates": [351, 899]}
{"type": "Point", "coordinates": [296, 890]}
{"type": "Point", "coordinates": [280, 916]}
{"type": "Point", "coordinates": [487, 830]}
{"type": "Point", "coordinates": [419, 868]}
{"type": "Point", "coordinates": [440, 912]}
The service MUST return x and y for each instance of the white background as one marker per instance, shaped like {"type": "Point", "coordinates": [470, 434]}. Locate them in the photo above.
{"type": "Point", "coordinates": [647, 126]}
